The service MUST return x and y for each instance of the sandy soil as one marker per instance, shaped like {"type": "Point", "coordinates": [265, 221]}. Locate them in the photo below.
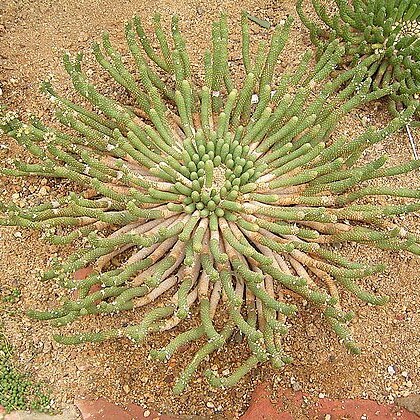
{"type": "Point", "coordinates": [33, 35]}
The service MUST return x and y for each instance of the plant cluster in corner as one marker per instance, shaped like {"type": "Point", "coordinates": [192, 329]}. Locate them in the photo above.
{"type": "Point", "coordinates": [383, 33]}
{"type": "Point", "coordinates": [17, 391]}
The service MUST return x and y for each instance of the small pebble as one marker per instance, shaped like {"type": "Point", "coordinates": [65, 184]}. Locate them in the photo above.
{"type": "Point", "coordinates": [47, 347]}
{"type": "Point", "coordinates": [43, 190]}
{"type": "Point", "coordinates": [210, 404]}
{"type": "Point", "coordinates": [391, 370]}
{"type": "Point", "coordinates": [296, 386]}
{"type": "Point", "coordinates": [146, 413]}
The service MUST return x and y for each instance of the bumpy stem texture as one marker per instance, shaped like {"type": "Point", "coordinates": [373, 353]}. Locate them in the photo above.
{"type": "Point", "coordinates": [385, 33]}
{"type": "Point", "coordinates": [200, 202]}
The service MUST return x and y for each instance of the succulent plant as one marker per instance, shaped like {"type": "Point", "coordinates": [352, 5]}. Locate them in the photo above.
{"type": "Point", "coordinates": [17, 391]}
{"type": "Point", "coordinates": [386, 31]}
{"type": "Point", "coordinates": [214, 203]}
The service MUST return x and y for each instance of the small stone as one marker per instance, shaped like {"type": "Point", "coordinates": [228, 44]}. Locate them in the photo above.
{"type": "Point", "coordinates": [82, 366]}
{"type": "Point", "coordinates": [209, 404]}
{"type": "Point", "coordinates": [43, 191]}
{"type": "Point", "coordinates": [391, 370]}
{"type": "Point", "coordinates": [146, 413]}
{"type": "Point", "coordinates": [17, 234]}
{"type": "Point", "coordinates": [411, 403]}
{"type": "Point", "coordinates": [312, 330]}
{"type": "Point", "coordinates": [321, 395]}
{"type": "Point", "coordinates": [296, 386]}
{"type": "Point", "coordinates": [327, 417]}
{"type": "Point", "coordinates": [365, 121]}
{"type": "Point", "coordinates": [126, 388]}
{"type": "Point", "coordinates": [47, 347]}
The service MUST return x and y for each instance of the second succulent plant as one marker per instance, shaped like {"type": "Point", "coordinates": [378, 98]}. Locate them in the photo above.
{"type": "Point", "coordinates": [386, 33]}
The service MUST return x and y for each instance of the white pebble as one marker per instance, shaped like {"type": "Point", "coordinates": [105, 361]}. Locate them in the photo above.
{"type": "Point", "coordinates": [391, 370]}
{"type": "Point", "coordinates": [43, 191]}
